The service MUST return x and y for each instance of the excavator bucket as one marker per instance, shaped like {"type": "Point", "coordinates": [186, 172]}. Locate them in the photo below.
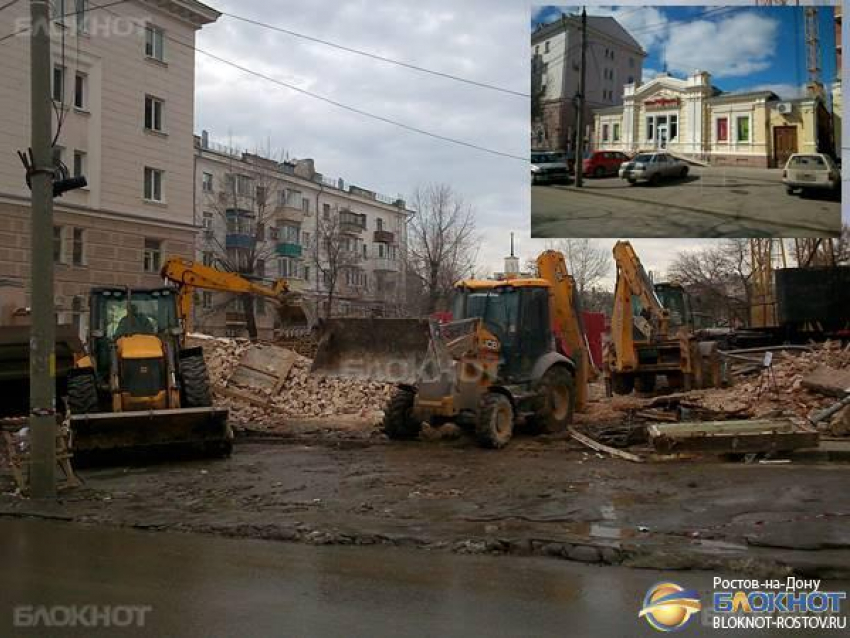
{"type": "Point", "coordinates": [375, 349]}
{"type": "Point", "coordinates": [106, 436]}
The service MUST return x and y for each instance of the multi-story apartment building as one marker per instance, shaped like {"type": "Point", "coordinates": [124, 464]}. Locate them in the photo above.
{"type": "Point", "coordinates": [613, 58]}
{"type": "Point", "coordinates": [277, 218]}
{"type": "Point", "coordinates": [125, 93]}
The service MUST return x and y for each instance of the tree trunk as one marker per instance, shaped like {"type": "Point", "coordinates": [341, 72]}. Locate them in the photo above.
{"type": "Point", "coordinates": [250, 318]}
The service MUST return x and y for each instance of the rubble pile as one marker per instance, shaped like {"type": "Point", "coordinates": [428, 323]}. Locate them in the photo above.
{"type": "Point", "coordinates": [302, 395]}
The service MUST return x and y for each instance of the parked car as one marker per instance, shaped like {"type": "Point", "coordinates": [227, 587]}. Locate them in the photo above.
{"type": "Point", "coordinates": [653, 167]}
{"type": "Point", "coordinates": [603, 163]}
{"type": "Point", "coordinates": [548, 167]}
{"type": "Point", "coordinates": [811, 171]}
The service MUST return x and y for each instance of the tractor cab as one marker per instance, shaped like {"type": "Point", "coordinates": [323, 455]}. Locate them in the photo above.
{"type": "Point", "coordinates": [516, 313]}
{"type": "Point", "coordinates": [677, 302]}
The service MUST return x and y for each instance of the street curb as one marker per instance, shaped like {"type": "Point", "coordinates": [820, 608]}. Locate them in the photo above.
{"type": "Point", "coordinates": [703, 211]}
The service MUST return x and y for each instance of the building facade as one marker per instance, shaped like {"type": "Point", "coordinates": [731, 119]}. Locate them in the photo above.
{"type": "Point", "coordinates": [613, 59]}
{"type": "Point", "coordinates": [692, 118]}
{"type": "Point", "coordinates": [126, 98]}
{"type": "Point", "coordinates": [278, 218]}
{"type": "Point", "coordinates": [837, 112]}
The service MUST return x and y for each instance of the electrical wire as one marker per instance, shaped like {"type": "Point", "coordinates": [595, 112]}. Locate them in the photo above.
{"type": "Point", "coordinates": [8, 4]}
{"type": "Point", "coordinates": [375, 56]}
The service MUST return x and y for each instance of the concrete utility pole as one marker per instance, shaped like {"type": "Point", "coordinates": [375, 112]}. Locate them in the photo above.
{"type": "Point", "coordinates": [42, 339]}
{"type": "Point", "coordinates": [579, 145]}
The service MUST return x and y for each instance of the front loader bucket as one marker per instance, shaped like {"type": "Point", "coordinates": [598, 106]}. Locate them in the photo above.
{"type": "Point", "coordinates": [102, 437]}
{"type": "Point", "coordinates": [375, 349]}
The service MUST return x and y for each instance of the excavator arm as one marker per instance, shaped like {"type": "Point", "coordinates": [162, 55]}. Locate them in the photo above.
{"type": "Point", "coordinates": [189, 275]}
{"type": "Point", "coordinates": [568, 326]}
{"type": "Point", "coordinates": [653, 319]}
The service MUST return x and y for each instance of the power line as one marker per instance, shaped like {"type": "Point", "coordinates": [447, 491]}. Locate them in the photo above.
{"type": "Point", "coordinates": [322, 98]}
{"type": "Point", "coordinates": [375, 56]}
{"type": "Point", "coordinates": [8, 4]}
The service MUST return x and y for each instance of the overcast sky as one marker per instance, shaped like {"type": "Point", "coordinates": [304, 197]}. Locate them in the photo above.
{"type": "Point", "coordinates": [486, 40]}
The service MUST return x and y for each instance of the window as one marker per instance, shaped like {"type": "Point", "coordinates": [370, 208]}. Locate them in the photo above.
{"type": "Point", "coordinates": [379, 224]}
{"type": "Point", "coordinates": [78, 256]}
{"type": "Point", "coordinates": [207, 220]}
{"type": "Point", "coordinates": [59, 83]}
{"type": "Point", "coordinates": [674, 127]}
{"type": "Point", "coordinates": [289, 233]}
{"type": "Point", "coordinates": [537, 50]}
{"type": "Point", "coordinates": [288, 267]}
{"type": "Point", "coordinates": [616, 132]}
{"type": "Point", "coordinates": [207, 182]}
{"type": "Point", "coordinates": [238, 184]}
{"type": "Point", "coordinates": [58, 245]}
{"type": "Point", "coordinates": [326, 211]}
{"type": "Point", "coordinates": [207, 258]}
{"type": "Point", "coordinates": [260, 268]}
{"type": "Point", "coordinates": [206, 299]}
{"type": "Point", "coordinates": [305, 205]}
{"type": "Point", "coordinates": [650, 129]}
{"type": "Point", "coordinates": [80, 8]}
{"type": "Point", "coordinates": [153, 43]}
{"type": "Point", "coordinates": [153, 184]}
{"type": "Point", "coordinates": [57, 11]}
{"type": "Point", "coordinates": [546, 47]}
{"type": "Point", "coordinates": [604, 132]}
{"type": "Point", "coordinates": [80, 86]}
{"type": "Point", "coordinates": [742, 128]}
{"type": "Point", "coordinates": [305, 238]}
{"type": "Point", "coordinates": [153, 113]}
{"type": "Point", "coordinates": [631, 80]}
{"type": "Point", "coordinates": [261, 195]}
{"type": "Point", "coordinates": [722, 129]}
{"type": "Point", "coordinates": [152, 255]}
{"type": "Point", "coordinates": [79, 163]}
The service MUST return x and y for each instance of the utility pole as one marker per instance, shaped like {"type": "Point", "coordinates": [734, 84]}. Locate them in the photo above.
{"type": "Point", "coordinates": [579, 145]}
{"type": "Point", "coordinates": [42, 421]}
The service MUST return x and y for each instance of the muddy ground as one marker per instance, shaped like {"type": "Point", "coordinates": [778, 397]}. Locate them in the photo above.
{"type": "Point", "coordinates": [344, 484]}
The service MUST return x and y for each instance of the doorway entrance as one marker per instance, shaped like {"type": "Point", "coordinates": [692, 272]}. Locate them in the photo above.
{"type": "Point", "coordinates": [784, 144]}
{"type": "Point", "coordinates": [662, 136]}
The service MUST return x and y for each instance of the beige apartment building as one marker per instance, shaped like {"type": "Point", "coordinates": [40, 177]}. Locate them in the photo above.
{"type": "Point", "coordinates": [272, 218]}
{"type": "Point", "coordinates": [125, 90]}
{"type": "Point", "coordinates": [614, 59]}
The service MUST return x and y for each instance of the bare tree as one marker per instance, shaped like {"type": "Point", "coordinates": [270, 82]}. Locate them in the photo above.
{"type": "Point", "coordinates": [337, 252]}
{"type": "Point", "coordinates": [588, 262]}
{"type": "Point", "coordinates": [244, 205]}
{"type": "Point", "coordinates": [442, 242]}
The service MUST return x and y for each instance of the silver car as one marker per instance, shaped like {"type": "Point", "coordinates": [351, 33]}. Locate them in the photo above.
{"type": "Point", "coordinates": [548, 167]}
{"type": "Point", "coordinates": [652, 168]}
{"type": "Point", "coordinates": [811, 171]}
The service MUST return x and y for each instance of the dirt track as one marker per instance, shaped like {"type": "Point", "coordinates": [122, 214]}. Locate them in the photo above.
{"type": "Point", "coordinates": [547, 497]}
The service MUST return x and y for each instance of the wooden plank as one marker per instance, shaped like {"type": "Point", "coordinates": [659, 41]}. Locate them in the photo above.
{"type": "Point", "coordinates": [719, 428]}
{"type": "Point", "coordinates": [828, 381]}
{"type": "Point", "coordinates": [599, 447]}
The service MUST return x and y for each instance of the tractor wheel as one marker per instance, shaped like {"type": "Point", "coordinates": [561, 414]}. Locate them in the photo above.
{"type": "Point", "coordinates": [622, 383]}
{"type": "Point", "coordinates": [645, 383]}
{"type": "Point", "coordinates": [495, 425]}
{"type": "Point", "coordinates": [82, 394]}
{"type": "Point", "coordinates": [558, 389]}
{"type": "Point", "coordinates": [399, 423]}
{"type": "Point", "coordinates": [196, 382]}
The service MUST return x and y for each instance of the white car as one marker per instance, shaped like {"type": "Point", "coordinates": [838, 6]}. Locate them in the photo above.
{"type": "Point", "coordinates": [652, 167]}
{"type": "Point", "coordinates": [811, 171]}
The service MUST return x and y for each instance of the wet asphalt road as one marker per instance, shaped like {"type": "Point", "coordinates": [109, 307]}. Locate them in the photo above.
{"type": "Point", "coordinates": [198, 585]}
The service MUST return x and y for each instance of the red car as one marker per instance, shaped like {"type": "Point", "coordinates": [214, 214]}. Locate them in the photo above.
{"type": "Point", "coordinates": [602, 163]}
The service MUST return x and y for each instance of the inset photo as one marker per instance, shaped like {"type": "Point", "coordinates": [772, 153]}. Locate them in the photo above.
{"type": "Point", "coordinates": [685, 121]}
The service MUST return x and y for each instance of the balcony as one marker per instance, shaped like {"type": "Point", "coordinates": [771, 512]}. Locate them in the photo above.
{"type": "Point", "coordinates": [384, 264]}
{"type": "Point", "coordinates": [285, 249]}
{"type": "Point", "coordinates": [383, 237]}
{"type": "Point", "coordinates": [235, 318]}
{"type": "Point", "coordinates": [289, 212]}
{"type": "Point", "coordinates": [238, 240]}
{"type": "Point", "coordinates": [350, 222]}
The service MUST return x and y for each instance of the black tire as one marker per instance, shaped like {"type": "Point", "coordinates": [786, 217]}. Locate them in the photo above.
{"type": "Point", "coordinates": [632, 182]}
{"type": "Point", "coordinates": [645, 383]}
{"type": "Point", "coordinates": [789, 190]}
{"type": "Point", "coordinates": [196, 382]}
{"type": "Point", "coordinates": [495, 425]}
{"type": "Point", "coordinates": [655, 180]}
{"type": "Point", "coordinates": [558, 389]}
{"type": "Point", "coordinates": [82, 394]}
{"type": "Point", "coordinates": [684, 172]}
{"type": "Point", "coordinates": [598, 172]}
{"type": "Point", "coordinates": [622, 383]}
{"type": "Point", "coordinates": [399, 423]}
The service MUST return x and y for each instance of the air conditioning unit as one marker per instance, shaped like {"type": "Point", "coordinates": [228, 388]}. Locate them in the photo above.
{"type": "Point", "coordinates": [784, 107]}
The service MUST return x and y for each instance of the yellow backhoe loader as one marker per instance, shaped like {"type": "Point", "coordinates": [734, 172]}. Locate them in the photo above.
{"type": "Point", "coordinates": [511, 355]}
{"type": "Point", "coordinates": [139, 388]}
{"type": "Point", "coordinates": [652, 334]}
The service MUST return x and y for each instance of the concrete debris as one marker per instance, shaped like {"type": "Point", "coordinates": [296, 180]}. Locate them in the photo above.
{"type": "Point", "coordinates": [731, 437]}
{"type": "Point", "coordinates": [287, 391]}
